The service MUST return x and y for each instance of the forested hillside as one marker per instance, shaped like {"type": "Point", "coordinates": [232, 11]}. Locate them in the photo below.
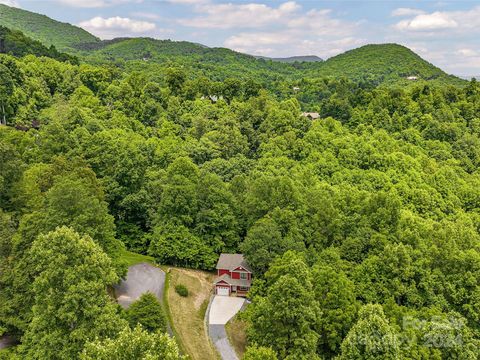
{"type": "Point", "coordinates": [371, 65]}
{"type": "Point", "coordinates": [40, 27]}
{"type": "Point", "coordinates": [382, 63]}
{"type": "Point", "coordinates": [198, 60]}
{"type": "Point", "coordinates": [362, 227]}
{"type": "Point", "coordinates": [17, 44]}
{"type": "Point", "coordinates": [376, 202]}
{"type": "Point", "coordinates": [292, 59]}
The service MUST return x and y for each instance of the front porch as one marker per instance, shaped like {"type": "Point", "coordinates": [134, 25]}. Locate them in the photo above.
{"type": "Point", "coordinates": [239, 293]}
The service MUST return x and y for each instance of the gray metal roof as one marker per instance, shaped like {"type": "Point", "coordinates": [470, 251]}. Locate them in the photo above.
{"type": "Point", "coordinates": [232, 261]}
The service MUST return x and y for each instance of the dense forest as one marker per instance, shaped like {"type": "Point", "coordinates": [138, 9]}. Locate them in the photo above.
{"type": "Point", "coordinates": [362, 227]}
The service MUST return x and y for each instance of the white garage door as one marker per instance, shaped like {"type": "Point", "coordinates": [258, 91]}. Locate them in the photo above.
{"type": "Point", "coordinates": [222, 290]}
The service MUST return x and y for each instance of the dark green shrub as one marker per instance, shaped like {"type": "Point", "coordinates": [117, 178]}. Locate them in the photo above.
{"type": "Point", "coordinates": [181, 290]}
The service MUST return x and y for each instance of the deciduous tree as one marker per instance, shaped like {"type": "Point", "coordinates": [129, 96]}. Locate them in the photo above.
{"type": "Point", "coordinates": [71, 305]}
{"type": "Point", "coordinates": [133, 344]}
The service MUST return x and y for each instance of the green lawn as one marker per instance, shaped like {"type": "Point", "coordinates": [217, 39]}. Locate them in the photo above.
{"type": "Point", "coordinates": [133, 258]}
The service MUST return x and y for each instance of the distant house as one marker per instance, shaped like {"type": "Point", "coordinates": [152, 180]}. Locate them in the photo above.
{"type": "Point", "coordinates": [412, 78]}
{"type": "Point", "coordinates": [234, 276]}
{"type": "Point", "coordinates": [296, 88]}
{"type": "Point", "coordinates": [311, 115]}
{"type": "Point", "coordinates": [212, 98]}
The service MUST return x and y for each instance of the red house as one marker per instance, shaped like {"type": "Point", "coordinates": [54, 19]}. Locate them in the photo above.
{"type": "Point", "coordinates": [234, 276]}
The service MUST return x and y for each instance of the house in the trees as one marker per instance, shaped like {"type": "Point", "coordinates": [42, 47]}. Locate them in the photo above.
{"type": "Point", "coordinates": [234, 277]}
{"type": "Point", "coordinates": [311, 115]}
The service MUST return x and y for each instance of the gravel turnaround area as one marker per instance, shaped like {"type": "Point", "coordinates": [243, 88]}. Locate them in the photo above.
{"type": "Point", "coordinates": [141, 278]}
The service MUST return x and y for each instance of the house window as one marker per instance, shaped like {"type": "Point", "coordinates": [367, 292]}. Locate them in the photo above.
{"type": "Point", "coordinates": [243, 276]}
{"type": "Point", "coordinates": [243, 288]}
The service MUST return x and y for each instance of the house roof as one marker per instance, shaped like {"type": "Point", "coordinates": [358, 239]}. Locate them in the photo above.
{"type": "Point", "coordinates": [232, 261]}
{"type": "Point", "coordinates": [313, 115]}
{"type": "Point", "coordinates": [237, 282]}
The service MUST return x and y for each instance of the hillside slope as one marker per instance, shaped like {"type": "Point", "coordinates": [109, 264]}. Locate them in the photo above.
{"type": "Point", "coordinates": [15, 43]}
{"type": "Point", "coordinates": [44, 29]}
{"type": "Point", "coordinates": [294, 59]}
{"type": "Point", "coordinates": [382, 63]}
{"type": "Point", "coordinates": [139, 48]}
{"type": "Point", "coordinates": [216, 63]}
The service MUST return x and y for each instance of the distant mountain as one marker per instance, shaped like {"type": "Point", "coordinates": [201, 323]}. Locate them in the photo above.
{"type": "Point", "coordinates": [293, 59]}
{"type": "Point", "coordinates": [15, 43]}
{"type": "Point", "coordinates": [383, 63]}
{"type": "Point", "coordinates": [42, 28]}
{"type": "Point", "coordinates": [215, 63]}
{"type": "Point", "coordinates": [370, 64]}
{"type": "Point", "coordinates": [139, 48]}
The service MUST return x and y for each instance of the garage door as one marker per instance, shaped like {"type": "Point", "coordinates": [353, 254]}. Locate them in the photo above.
{"type": "Point", "coordinates": [223, 290]}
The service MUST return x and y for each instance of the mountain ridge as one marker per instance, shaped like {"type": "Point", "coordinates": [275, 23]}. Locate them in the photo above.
{"type": "Point", "coordinates": [292, 59]}
{"type": "Point", "coordinates": [374, 64]}
{"type": "Point", "coordinates": [43, 28]}
{"type": "Point", "coordinates": [383, 63]}
{"type": "Point", "coordinates": [14, 42]}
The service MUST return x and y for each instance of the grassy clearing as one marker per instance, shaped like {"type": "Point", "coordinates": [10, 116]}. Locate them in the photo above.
{"type": "Point", "coordinates": [187, 313]}
{"type": "Point", "coordinates": [166, 307]}
{"type": "Point", "coordinates": [236, 332]}
{"type": "Point", "coordinates": [203, 308]}
{"type": "Point", "coordinates": [133, 258]}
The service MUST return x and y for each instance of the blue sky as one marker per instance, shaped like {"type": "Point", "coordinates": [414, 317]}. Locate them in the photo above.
{"type": "Point", "coordinates": [447, 33]}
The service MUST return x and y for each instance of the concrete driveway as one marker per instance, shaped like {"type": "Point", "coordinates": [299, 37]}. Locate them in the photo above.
{"type": "Point", "coordinates": [221, 310]}
{"type": "Point", "coordinates": [140, 279]}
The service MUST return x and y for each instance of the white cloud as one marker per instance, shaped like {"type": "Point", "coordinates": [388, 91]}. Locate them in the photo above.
{"type": "Point", "coordinates": [407, 12]}
{"type": "Point", "coordinates": [188, 2]}
{"type": "Point", "coordinates": [258, 39]}
{"type": "Point", "coordinates": [288, 43]}
{"type": "Point", "coordinates": [456, 22]}
{"type": "Point", "coordinates": [13, 3]}
{"type": "Point", "coordinates": [116, 26]}
{"type": "Point", "coordinates": [95, 3]}
{"type": "Point", "coordinates": [315, 32]}
{"type": "Point", "coordinates": [428, 22]}
{"type": "Point", "coordinates": [147, 15]}
{"type": "Point", "coordinates": [280, 30]}
{"type": "Point", "coordinates": [448, 39]}
{"type": "Point", "coordinates": [252, 15]}
{"type": "Point", "coordinates": [466, 52]}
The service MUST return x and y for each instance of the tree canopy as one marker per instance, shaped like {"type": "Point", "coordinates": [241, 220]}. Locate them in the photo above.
{"type": "Point", "coordinates": [360, 224]}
